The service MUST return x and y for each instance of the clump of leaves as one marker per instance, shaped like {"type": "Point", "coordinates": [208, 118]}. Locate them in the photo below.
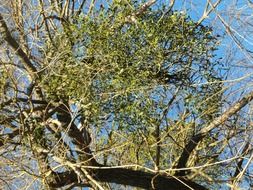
{"type": "Point", "coordinates": [114, 68]}
{"type": "Point", "coordinates": [109, 56]}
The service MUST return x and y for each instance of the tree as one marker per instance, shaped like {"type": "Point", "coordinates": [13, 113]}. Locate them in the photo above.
{"type": "Point", "coordinates": [105, 97]}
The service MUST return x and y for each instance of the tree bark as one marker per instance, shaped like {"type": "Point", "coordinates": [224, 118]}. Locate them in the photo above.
{"type": "Point", "coordinates": [130, 177]}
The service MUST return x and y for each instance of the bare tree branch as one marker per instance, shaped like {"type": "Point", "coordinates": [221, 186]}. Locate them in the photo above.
{"type": "Point", "coordinates": [16, 47]}
{"type": "Point", "coordinates": [194, 141]}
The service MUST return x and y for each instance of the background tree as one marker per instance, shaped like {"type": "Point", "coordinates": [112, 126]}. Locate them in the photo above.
{"type": "Point", "coordinates": [116, 94]}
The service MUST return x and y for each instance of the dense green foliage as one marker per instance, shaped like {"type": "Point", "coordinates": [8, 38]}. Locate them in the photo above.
{"type": "Point", "coordinates": [121, 76]}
